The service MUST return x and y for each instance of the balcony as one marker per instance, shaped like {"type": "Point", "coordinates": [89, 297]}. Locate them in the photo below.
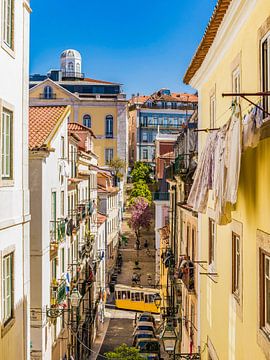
{"type": "Point", "coordinates": [72, 75]}
{"type": "Point", "coordinates": [161, 196]}
{"type": "Point", "coordinates": [58, 292]}
{"type": "Point", "coordinates": [57, 233]}
{"type": "Point", "coordinates": [186, 274]}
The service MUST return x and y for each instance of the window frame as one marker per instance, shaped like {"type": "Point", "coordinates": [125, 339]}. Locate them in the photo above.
{"type": "Point", "coordinates": [145, 151]}
{"type": "Point", "coordinates": [212, 110]}
{"type": "Point", "coordinates": [6, 320]}
{"type": "Point", "coordinates": [265, 87]}
{"type": "Point", "coordinates": [211, 240]}
{"type": "Point", "coordinates": [265, 327]}
{"type": "Point", "coordinates": [7, 176]}
{"type": "Point", "coordinates": [109, 126]}
{"type": "Point", "coordinates": [108, 150]}
{"type": "Point", "coordinates": [8, 44]}
{"type": "Point", "coordinates": [87, 118]}
{"type": "Point", "coordinates": [236, 265]}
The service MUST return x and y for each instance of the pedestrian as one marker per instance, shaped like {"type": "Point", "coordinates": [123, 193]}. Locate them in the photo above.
{"type": "Point", "coordinates": [146, 244]}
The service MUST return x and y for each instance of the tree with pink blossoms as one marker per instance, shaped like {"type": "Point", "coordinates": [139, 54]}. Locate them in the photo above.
{"type": "Point", "coordinates": [140, 217]}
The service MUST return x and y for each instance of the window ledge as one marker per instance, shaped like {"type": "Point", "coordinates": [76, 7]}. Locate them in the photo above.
{"type": "Point", "coordinates": [7, 49]}
{"type": "Point", "coordinates": [5, 328]}
{"type": "Point", "coordinates": [263, 338]}
{"type": "Point", "coordinates": [7, 183]}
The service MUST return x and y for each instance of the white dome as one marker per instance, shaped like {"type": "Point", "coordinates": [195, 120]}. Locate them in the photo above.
{"type": "Point", "coordinates": [71, 53]}
{"type": "Point", "coordinates": [71, 64]}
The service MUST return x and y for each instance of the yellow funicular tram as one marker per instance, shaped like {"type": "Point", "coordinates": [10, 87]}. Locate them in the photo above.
{"type": "Point", "coordinates": [135, 298]}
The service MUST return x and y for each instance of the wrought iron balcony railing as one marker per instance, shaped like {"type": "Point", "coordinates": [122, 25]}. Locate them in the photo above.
{"type": "Point", "coordinates": [57, 232]}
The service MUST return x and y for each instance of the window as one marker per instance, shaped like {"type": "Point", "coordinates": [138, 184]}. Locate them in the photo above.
{"type": "Point", "coordinates": [70, 66]}
{"type": "Point", "coordinates": [265, 291]}
{"type": "Point", "coordinates": [144, 121]}
{"type": "Point", "coordinates": [63, 260]}
{"type": "Point", "coordinates": [236, 258]}
{"type": "Point", "coordinates": [145, 154]}
{"type": "Point", "coordinates": [109, 126]}
{"type": "Point", "coordinates": [53, 205]}
{"type": "Point", "coordinates": [62, 147]}
{"type": "Point", "coordinates": [6, 144]}
{"type": "Point", "coordinates": [193, 240]}
{"type": "Point", "coordinates": [188, 240]}
{"type": "Point", "coordinates": [54, 268]}
{"type": "Point", "coordinates": [7, 287]}
{"type": "Point", "coordinates": [62, 203]}
{"type": "Point", "coordinates": [236, 82]}
{"type": "Point", "coordinates": [48, 92]}
{"type": "Point", "coordinates": [8, 23]}
{"type": "Point", "coordinates": [144, 136]}
{"type": "Point", "coordinates": [212, 239]}
{"type": "Point", "coordinates": [212, 111]}
{"type": "Point", "coordinates": [108, 156]}
{"type": "Point", "coordinates": [265, 48]}
{"type": "Point", "coordinates": [87, 120]}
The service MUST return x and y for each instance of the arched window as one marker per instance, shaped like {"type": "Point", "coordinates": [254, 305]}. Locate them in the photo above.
{"type": "Point", "coordinates": [70, 66]}
{"type": "Point", "coordinates": [48, 92]}
{"type": "Point", "coordinates": [109, 126]}
{"type": "Point", "coordinates": [78, 68]}
{"type": "Point", "coordinates": [87, 120]}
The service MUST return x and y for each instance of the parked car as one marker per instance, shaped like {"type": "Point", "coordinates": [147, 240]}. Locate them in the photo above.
{"type": "Point", "coordinates": [146, 316]}
{"type": "Point", "coordinates": [140, 334]}
{"type": "Point", "coordinates": [149, 348]}
{"type": "Point", "coordinates": [145, 326]}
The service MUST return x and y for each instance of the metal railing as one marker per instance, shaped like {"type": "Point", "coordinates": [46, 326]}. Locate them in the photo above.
{"type": "Point", "coordinates": [57, 231]}
{"type": "Point", "coordinates": [71, 74]}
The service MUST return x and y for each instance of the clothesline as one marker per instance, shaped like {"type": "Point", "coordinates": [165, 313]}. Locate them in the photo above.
{"type": "Point", "coordinates": [218, 168]}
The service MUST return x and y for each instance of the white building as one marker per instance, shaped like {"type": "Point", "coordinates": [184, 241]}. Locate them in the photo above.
{"type": "Point", "coordinates": [14, 188]}
{"type": "Point", "coordinates": [108, 205]}
{"type": "Point", "coordinates": [48, 145]}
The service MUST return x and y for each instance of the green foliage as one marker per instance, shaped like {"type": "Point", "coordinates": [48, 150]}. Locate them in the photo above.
{"type": "Point", "coordinates": [124, 352]}
{"type": "Point", "coordinates": [141, 171]}
{"type": "Point", "coordinates": [140, 189]}
{"type": "Point", "coordinates": [118, 165]}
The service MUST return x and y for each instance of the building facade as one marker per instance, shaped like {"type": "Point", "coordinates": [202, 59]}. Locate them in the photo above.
{"type": "Point", "coordinates": [98, 105]}
{"type": "Point", "coordinates": [48, 147]}
{"type": "Point", "coordinates": [162, 112]}
{"type": "Point", "coordinates": [233, 243]}
{"type": "Point", "coordinates": [14, 187]}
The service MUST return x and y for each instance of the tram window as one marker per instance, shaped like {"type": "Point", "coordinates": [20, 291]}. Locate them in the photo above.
{"type": "Point", "coordinates": [151, 298]}
{"type": "Point", "coordinates": [142, 296]}
{"type": "Point", "coordinates": [128, 294]}
{"type": "Point", "coordinates": [146, 298]}
{"type": "Point", "coordinates": [136, 296]}
{"type": "Point", "coordinates": [123, 295]}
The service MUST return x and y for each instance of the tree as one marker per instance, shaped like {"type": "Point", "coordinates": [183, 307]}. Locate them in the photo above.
{"type": "Point", "coordinates": [141, 171]}
{"type": "Point", "coordinates": [140, 217]}
{"type": "Point", "coordinates": [140, 189]}
{"type": "Point", "coordinates": [124, 352]}
{"type": "Point", "coordinates": [118, 165]}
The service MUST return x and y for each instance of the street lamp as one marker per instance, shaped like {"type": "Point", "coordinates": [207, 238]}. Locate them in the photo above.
{"type": "Point", "coordinates": [169, 338]}
{"type": "Point", "coordinates": [157, 300]}
{"type": "Point", "coordinates": [75, 298]}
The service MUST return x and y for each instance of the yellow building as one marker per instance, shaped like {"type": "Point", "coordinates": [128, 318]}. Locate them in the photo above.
{"type": "Point", "coordinates": [234, 57]}
{"type": "Point", "coordinates": [99, 105]}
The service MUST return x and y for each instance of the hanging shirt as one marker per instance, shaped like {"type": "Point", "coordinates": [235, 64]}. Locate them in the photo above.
{"type": "Point", "coordinates": [233, 154]}
{"type": "Point", "coordinates": [203, 177]}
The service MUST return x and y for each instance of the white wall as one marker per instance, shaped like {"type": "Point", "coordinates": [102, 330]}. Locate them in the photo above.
{"type": "Point", "coordinates": [14, 200]}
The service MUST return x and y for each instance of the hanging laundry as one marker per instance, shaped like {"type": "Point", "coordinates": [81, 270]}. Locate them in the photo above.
{"type": "Point", "coordinates": [203, 177]}
{"type": "Point", "coordinates": [222, 210]}
{"type": "Point", "coordinates": [233, 148]}
{"type": "Point", "coordinates": [252, 124]}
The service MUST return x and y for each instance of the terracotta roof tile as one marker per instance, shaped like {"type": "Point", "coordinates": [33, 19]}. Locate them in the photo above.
{"type": "Point", "coordinates": [208, 39]}
{"type": "Point", "coordinates": [42, 121]}
{"type": "Point", "coordinates": [79, 128]}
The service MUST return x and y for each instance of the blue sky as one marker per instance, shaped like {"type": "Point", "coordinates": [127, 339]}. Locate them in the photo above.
{"type": "Point", "coordinates": [145, 45]}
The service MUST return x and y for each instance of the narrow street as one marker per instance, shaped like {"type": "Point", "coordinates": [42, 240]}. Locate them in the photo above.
{"type": "Point", "coordinates": [118, 326]}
